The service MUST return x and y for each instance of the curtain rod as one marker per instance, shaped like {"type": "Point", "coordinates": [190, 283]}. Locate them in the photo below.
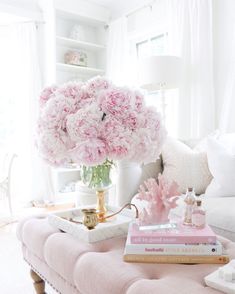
{"type": "Point", "coordinates": [140, 8]}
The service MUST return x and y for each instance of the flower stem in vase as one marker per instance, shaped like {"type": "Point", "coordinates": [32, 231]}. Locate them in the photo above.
{"type": "Point", "coordinates": [101, 209]}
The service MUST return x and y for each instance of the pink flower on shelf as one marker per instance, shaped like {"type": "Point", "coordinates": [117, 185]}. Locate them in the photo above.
{"type": "Point", "coordinates": [161, 197]}
{"type": "Point", "coordinates": [46, 95]}
{"type": "Point", "coordinates": [90, 152]}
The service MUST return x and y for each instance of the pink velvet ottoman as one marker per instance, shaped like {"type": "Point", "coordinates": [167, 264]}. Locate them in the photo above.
{"type": "Point", "coordinates": [73, 267]}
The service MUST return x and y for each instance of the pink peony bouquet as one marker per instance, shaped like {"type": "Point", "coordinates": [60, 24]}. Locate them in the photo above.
{"type": "Point", "coordinates": [87, 123]}
{"type": "Point", "coordinates": [161, 197]}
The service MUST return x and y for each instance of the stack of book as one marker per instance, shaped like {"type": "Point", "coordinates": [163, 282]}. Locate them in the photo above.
{"type": "Point", "coordinates": [182, 244]}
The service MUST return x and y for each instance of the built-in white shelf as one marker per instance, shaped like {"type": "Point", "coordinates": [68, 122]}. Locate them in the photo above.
{"type": "Point", "coordinates": [79, 69]}
{"type": "Point", "coordinates": [78, 17]}
{"type": "Point", "coordinates": [67, 194]}
{"type": "Point", "coordinates": [68, 169]}
{"type": "Point", "coordinates": [71, 43]}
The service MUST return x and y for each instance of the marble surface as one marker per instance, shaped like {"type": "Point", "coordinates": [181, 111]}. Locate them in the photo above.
{"type": "Point", "coordinates": [223, 279]}
{"type": "Point", "coordinates": [113, 227]}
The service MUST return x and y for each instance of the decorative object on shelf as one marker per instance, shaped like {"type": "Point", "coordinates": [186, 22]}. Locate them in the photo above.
{"type": "Point", "coordinates": [92, 122]}
{"type": "Point", "coordinates": [76, 58]}
{"type": "Point", "coordinates": [69, 187]}
{"type": "Point", "coordinates": [77, 33]}
{"type": "Point", "coordinates": [161, 197]}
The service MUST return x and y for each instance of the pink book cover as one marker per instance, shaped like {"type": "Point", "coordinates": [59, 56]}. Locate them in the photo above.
{"type": "Point", "coordinates": [179, 235]}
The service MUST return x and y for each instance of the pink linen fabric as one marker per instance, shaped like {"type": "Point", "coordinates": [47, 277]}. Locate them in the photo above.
{"type": "Point", "coordinates": [74, 267]}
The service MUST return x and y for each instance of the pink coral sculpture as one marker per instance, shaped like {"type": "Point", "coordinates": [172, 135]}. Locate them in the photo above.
{"type": "Point", "coordinates": [161, 197]}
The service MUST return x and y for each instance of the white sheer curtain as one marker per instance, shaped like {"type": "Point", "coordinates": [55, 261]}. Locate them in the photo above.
{"type": "Point", "coordinates": [19, 89]}
{"type": "Point", "coordinates": [227, 117]}
{"type": "Point", "coordinates": [120, 65]}
{"type": "Point", "coordinates": [190, 36]}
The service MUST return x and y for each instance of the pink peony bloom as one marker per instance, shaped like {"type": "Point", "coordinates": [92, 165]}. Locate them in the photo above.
{"type": "Point", "coordinates": [117, 138]}
{"type": "Point", "coordinates": [55, 112]}
{"type": "Point", "coordinates": [94, 121]}
{"type": "Point", "coordinates": [97, 84]}
{"type": "Point", "coordinates": [116, 101]}
{"type": "Point", "coordinates": [85, 123]}
{"type": "Point", "coordinates": [75, 94]}
{"type": "Point", "coordinates": [46, 94]}
{"type": "Point", "coordinates": [139, 101]}
{"type": "Point", "coordinates": [53, 147]}
{"type": "Point", "coordinates": [90, 152]}
{"type": "Point", "coordinates": [132, 120]}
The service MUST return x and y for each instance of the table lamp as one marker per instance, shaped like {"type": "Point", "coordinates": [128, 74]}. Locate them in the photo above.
{"type": "Point", "coordinates": [160, 73]}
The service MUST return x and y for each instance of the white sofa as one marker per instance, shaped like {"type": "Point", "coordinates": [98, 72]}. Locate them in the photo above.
{"type": "Point", "coordinates": [220, 210]}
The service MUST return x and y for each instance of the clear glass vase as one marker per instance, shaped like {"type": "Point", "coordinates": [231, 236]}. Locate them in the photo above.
{"type": "Point", "coordinates": [98, 176]}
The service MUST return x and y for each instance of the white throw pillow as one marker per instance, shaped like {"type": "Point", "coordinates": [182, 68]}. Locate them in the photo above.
{"type": "Point", "coordinates": [187, 166]}
{"type": "Point", "coordinates": [221, 162]}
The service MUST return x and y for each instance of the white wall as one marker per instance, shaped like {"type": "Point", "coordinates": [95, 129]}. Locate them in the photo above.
{"type": "Point", "coordinates": [24, 8]}
{"type": "Point", "coordinates": [224, 47]}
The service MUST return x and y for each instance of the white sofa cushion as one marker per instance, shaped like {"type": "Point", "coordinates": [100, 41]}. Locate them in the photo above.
{"type": "Point", "coordinates": [187, 166]}
{"type": "Point", "coordinates": [221, 163]}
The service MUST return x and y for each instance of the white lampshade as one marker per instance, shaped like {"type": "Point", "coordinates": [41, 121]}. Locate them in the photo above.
{"type": "Point", "coordinates": [157, 72]}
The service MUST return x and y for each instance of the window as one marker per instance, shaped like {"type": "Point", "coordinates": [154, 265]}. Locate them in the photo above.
{"type": "Point", "coordinates": [158, 46]}
{"type": "Point", "coordinates": [155, 45]}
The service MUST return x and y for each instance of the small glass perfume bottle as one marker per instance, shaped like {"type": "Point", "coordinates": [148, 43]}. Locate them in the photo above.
{"type": "Point", "coordinates": [190, 201]}
{"type": "Point", "coordinates": [199, 216]}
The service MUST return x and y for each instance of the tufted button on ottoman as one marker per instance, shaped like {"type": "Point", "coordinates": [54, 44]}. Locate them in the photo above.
{"type": "Point", "coordinates": [71, 266]}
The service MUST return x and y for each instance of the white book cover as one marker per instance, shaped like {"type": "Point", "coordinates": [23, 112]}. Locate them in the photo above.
{"type": "Point", "coordinates": [173, 249]}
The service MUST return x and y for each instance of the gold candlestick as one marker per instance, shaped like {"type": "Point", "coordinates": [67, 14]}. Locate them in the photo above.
{"type": "Point", "coordinates": [101, 209]}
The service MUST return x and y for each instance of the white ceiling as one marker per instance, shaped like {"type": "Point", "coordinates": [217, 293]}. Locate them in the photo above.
{"type": "Point", "coordinates": [120, 7]}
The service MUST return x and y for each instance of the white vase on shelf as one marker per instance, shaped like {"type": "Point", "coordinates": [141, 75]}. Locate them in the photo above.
{"type": "Point", "coordinates": [77, 33]}
{"type": "Point", "coordinates": [127, 181]}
